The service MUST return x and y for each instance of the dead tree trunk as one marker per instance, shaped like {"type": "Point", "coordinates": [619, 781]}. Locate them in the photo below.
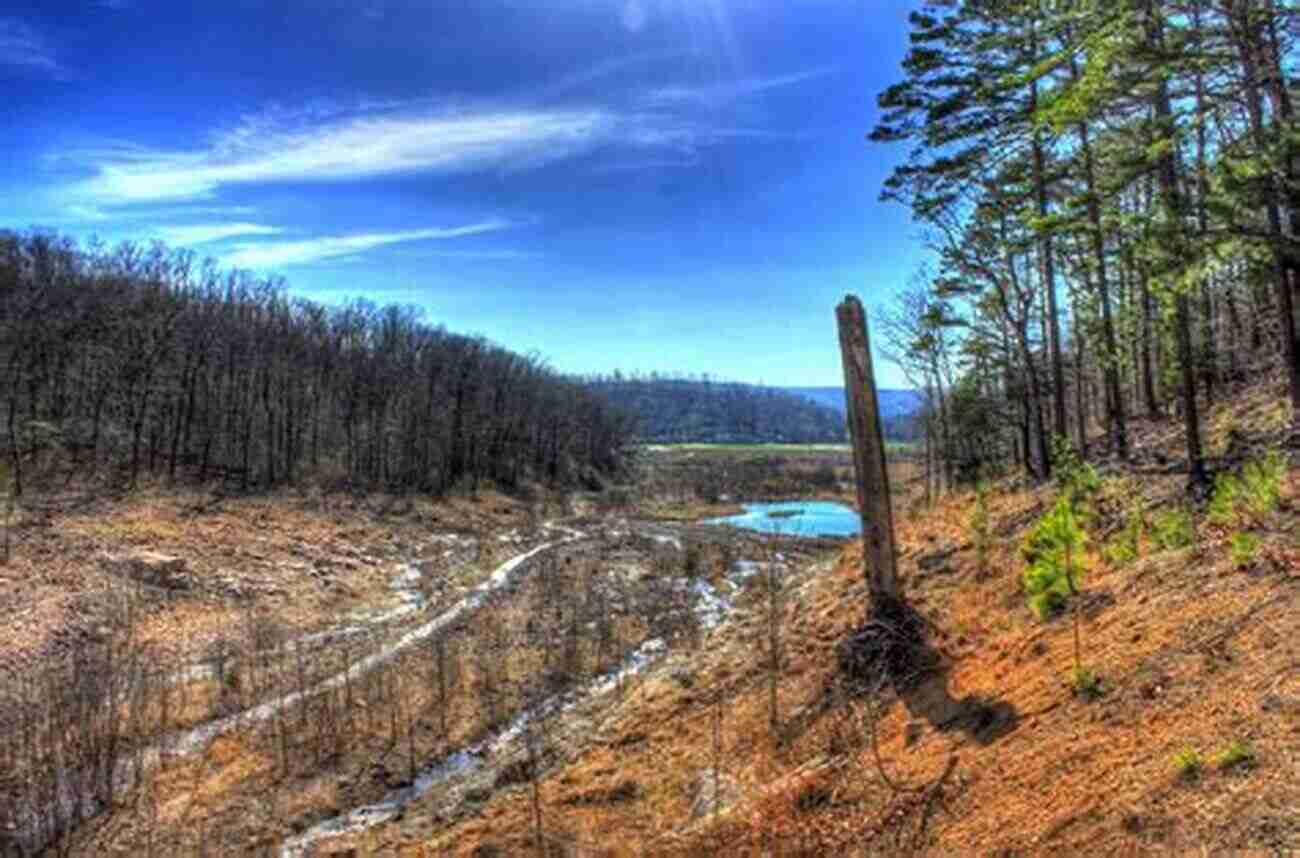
{"type": "Point", "coordinates": [878, 553]}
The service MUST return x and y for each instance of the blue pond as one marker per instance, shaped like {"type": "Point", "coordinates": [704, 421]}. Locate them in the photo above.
{"type": "Point", "coordinates": [796, 518]}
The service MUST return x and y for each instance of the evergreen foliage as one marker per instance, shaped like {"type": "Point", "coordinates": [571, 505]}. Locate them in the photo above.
{"type": "Point", "coordinates": [1238, 754]}
{"type": "Point", "coordinates": [1243, 546]}
{"type": "Point", "coordinates": [1254, 492]}
{"type": "Point", "coordinates": [1053, 550]}
{"type": "Point", "coordinates": [1108, 189]}
{"type": "Point", "coordinates": [1173, 528]}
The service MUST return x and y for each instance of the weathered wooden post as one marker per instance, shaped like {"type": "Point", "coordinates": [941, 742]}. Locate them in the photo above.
{"type": "Point", "coordinates": [878, 554]}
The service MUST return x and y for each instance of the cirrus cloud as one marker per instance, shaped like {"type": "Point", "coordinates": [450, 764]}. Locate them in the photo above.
{"type": "Point", "coordinates": [288, 253]}
{"type": "Point", "coordinates": [360, 147]}
{"type": "Point", "coordinates": [329, 142]}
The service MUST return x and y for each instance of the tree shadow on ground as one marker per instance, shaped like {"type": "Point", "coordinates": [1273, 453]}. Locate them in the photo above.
{"type": "Point", "coordinates": [894, 647]}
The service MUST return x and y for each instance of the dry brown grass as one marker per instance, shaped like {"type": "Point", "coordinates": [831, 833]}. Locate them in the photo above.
{"type": "Point", "coordinates": [254, 553]}
{"type": "Point", "coordinates": [1191, 652]}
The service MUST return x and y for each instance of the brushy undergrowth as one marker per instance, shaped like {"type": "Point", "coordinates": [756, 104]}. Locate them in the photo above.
{"type": "Point", "coordinates": [1053, 550]}
{"type": "Point", "coordinates": [1238, 753]}
{"type": "Point", "coordinates": [1243, 547]}
{"type": "Point", "coordinates": [1173, 528]}
{"type": "Point", "coordinates": [1085, 683]}
{"type": "Point", "coordinates": [1189, 763]}
{"type": "Point", "coordinates": [1255, 492]}
{"type": "Point", "coordinates": [1126, 546]}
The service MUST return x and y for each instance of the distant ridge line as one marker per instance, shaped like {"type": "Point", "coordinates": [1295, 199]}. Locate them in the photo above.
{"type": "Point", "coordinates": [894, 402]}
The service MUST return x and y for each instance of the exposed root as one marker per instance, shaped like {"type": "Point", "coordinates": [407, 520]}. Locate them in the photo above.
{"type": "Point", "coordinates": [889, 648]}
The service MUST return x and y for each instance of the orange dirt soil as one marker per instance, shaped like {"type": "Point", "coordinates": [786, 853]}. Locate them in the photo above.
{"type": "Point", "coordinates": [992, 755]}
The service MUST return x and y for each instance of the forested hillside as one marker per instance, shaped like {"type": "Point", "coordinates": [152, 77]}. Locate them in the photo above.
{"type": "Point", "coordinates": [143, 361]}
{"type": "Point", "coordinates": [684, 410]}
{"type": "Point", "coordinates": [893, 403]}
{"type": "Point", "coordinates": [1109, 191]}
{"type": "Point", "coordinates": [900, 410]}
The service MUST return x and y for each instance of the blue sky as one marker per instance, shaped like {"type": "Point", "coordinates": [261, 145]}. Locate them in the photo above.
{"type": "Point", "coordinates": [635, 184]}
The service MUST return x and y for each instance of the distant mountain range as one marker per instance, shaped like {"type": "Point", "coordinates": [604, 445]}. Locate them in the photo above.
{"type": "Point", "coordinates": [893, 403]}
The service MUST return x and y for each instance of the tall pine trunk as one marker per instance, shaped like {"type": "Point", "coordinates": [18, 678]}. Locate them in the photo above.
{"type": "Point", "coordinates": [1171, 202]}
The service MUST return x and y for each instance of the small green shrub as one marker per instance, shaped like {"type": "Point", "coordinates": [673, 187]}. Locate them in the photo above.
{"type": "Point", "coordinates": [1262, 483]}
{"type": "Point", "coordinates": [1086, 683]}
{"type": "Point", "coordinates": [1126, 546]}
{"type": "Point", "coordinates": [1077, 480]}
{"type": "Point", "coordinates": [1256, 491]}
{"type": "Point", "coordinates": [1223, 505]}
{"type": "Point", "coordinates": [1243, 548]}
{"type": "Point", "coordinates": [1054, 550]}
{"type": "Point", "coordinates": [1236, 754]}
{"type": "Point", "coordinates": [1173, 529]}
{"type": "Point", "coordinates": [1188, 762]}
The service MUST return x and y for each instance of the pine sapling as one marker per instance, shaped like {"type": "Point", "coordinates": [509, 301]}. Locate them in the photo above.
{"type": "Point", "coordinates": [1238, 753]}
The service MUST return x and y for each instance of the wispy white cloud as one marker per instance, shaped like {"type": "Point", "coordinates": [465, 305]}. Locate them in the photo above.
{"type": "Point", "coordinates": [79, 213]}
{"type": "Point", "coordinates": [375, 144]}
{"type": "Point", "coordinates": [205, 233]}
{"type": "Point", "coordinates": [714, 94]}
{"type": "Point", "coordinates": [329, 142]}
{"type": "Point", "coordinates": [287, 253]}
{"type": "Point", "coordinates": [24, 49]}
